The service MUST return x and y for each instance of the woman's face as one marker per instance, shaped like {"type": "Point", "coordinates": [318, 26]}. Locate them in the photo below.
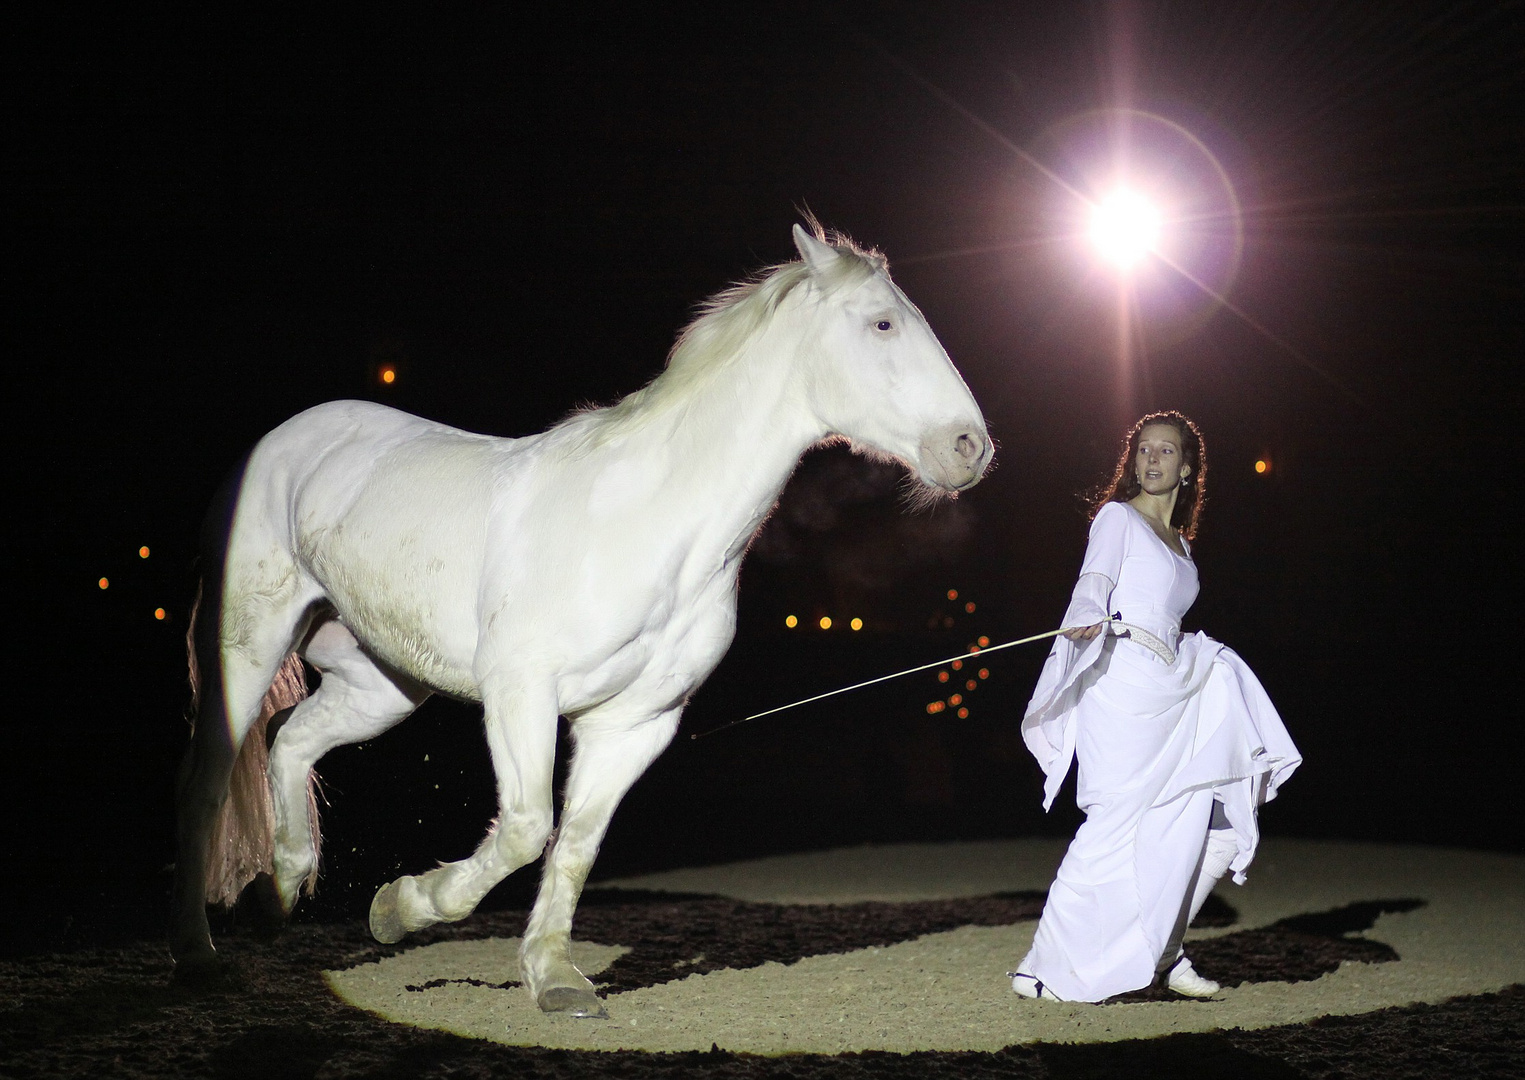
{"type": "Point", "coordinates": [1159, 464]}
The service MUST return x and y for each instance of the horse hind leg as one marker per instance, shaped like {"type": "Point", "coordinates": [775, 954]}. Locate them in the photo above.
{"type": "Point", "coordinates": [521, 737]}
{"type": "Point", "coordinates": [201, 788]}
{"type": "Point", "coordinates": [219, 839]}
{"type": "Point", "coordinates": [610, 756]}
{"type": "Point", "coordinates": [357, 700]}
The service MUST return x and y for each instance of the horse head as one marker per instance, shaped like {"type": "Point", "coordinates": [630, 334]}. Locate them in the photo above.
{"type": "Point", "coordinates": [878, 375]}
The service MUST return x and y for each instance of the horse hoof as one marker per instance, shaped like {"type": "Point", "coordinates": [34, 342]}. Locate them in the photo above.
{"type": "Point", "coordinates": [573, 1001]}
{"type": "Point", "coordinates": [386, 919]}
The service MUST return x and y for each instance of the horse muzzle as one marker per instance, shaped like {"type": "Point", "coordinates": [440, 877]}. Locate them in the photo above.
{"type": "Point", "coordinates": [954, 457]}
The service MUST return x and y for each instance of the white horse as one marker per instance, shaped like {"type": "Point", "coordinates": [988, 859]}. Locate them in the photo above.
{"type": "Point", "coordinates": [588, 572]}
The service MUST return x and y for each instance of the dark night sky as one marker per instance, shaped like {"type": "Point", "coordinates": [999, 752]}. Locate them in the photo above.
{"type": "Point", "coordinates": [217, 222]}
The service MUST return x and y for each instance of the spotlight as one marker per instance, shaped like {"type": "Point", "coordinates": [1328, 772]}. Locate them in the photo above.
{"type": "Point", "coordinates": [1125, 227]}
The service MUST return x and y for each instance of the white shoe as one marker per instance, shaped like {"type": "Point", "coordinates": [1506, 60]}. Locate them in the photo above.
{"type": "Point", "coordinates": [1183, 979]}
{"type": "Point", "coordinates": [1030, 986]}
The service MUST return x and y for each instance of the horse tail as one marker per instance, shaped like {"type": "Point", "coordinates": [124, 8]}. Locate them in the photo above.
{"type": "Point", "coordinates": [242, 842]}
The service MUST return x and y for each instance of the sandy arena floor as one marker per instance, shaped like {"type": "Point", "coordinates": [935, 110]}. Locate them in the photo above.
{"type": "Point", "coordinates": [1338, 960]}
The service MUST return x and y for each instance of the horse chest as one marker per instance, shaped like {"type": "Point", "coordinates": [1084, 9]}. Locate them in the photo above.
{"type": "Point", "coordinates": [656, 668]}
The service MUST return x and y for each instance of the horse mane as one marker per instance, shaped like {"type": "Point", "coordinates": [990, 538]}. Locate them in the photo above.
{"type": "Point", "coordinates": [723, 326]}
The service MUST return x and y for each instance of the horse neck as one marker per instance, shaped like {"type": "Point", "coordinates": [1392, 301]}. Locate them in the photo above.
{"type": "Point", "coordinates": [736, 435]}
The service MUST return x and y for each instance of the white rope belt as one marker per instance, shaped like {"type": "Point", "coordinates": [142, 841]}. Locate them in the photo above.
{"type": "Point", "coordinates": [1142, 637]}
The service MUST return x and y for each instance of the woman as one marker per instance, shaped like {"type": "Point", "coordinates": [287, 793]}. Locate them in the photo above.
{"type": "Point", "coordinates": [1176, 740]}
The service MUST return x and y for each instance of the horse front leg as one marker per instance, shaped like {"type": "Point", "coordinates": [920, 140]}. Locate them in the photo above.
{"type": "Point", "coordinates": [521, 737]}
{"type": "Point", "coordinates": [609, 757]}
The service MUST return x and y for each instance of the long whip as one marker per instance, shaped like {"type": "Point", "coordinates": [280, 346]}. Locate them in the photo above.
{"type": "Point", "coordinates": [883, 678]}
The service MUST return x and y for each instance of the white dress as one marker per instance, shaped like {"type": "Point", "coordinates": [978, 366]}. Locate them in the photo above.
{"type": "Point", "coordinates": [1157, 744]}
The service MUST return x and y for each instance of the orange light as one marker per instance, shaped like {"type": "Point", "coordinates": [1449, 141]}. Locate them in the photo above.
{"type": "Point", "coordinates": [956, 699]}
{"type": "Point", "coordinates": [942, 676]}
{"type": "Point", "coordinates": [971, 685]}
{"type": "Point", "coordinates": [790, 621]}
{"type": "Point", "coordinates": [969, 607]}
{"type": "Point", "coordinates": [934, 707]}
{"type": "Point", "coordinates": [856, 624]}
{"type": "Point", "coordinates": [984, 673]}
{"type": "Point", "coordinates": [963, 714]}
{"type": "Point", "coordinates": [104, 583]}
{"type": "Point", "coordinates": [388, 375]}
{"type": "Point", "coordinates": [825, 622]}
{"type": "Point", "coordinates": [143, 552]}
{"type": "Point", "coordinates": [957, 665]}
{"type": "Point", "coordinates": [1263, 465]}
{"type": "Point", "coordinates": [160, 613]}
{"type": "Point", "coordinates": [952, 594]}
{"type": "Point", "coordinates": [983, 641]}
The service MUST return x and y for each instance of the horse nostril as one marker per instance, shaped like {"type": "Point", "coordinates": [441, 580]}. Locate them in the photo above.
{"type": "Point", "coordinates": [968, 447]}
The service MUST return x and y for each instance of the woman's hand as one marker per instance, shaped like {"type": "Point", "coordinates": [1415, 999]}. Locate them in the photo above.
{"type": "Point", "coordinates": [1084, 633]}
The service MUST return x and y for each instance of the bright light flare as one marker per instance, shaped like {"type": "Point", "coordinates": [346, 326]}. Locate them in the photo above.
{"type": "Point", "coordinates": [1125, 227]}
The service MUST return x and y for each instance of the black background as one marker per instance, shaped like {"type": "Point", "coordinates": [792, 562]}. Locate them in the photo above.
{"type": "Point", "coordinates": [217, 221]}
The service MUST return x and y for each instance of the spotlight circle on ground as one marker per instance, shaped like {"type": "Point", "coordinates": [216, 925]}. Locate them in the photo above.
{"type": "Point", "coordinates": [1454, 921]}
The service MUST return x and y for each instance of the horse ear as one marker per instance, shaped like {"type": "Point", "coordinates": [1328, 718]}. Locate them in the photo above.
{"type": "Point", "coordinates": [817, 255]}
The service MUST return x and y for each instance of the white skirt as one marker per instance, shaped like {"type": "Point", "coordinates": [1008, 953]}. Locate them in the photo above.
{"type": "Point", "coordinates": [1157, 745]}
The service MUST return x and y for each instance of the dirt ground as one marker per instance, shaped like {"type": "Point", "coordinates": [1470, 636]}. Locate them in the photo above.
{"type": "Point", "coordinates": [723, 960]}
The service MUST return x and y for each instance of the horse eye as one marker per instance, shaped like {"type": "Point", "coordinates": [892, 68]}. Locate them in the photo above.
{"type": "Point", "coordinates": [884, 326]}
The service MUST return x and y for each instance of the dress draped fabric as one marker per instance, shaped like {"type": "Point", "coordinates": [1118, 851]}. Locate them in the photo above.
{"type": "Point", "coordinates": [1157, 744]}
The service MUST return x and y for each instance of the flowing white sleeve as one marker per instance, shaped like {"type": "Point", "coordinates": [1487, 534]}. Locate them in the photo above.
{"type": "Point", "coordinates": [1089, 602]}
{"type": "Point", "coordinates": [1048, 727]}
